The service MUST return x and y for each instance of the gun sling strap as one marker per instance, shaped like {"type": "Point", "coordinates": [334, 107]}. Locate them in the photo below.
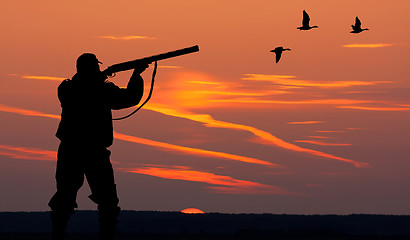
{"type": "Point", "coordinates": [149, 95]}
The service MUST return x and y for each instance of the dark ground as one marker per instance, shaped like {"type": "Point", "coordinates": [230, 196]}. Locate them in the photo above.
{"type": "Point", "coordinates": [201, 237]}
{"type": "Point", "coordinates": [212, 226]}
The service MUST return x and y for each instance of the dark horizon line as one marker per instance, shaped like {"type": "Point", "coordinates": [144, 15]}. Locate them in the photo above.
{"type": "Point", "coordinates": [227, 213]}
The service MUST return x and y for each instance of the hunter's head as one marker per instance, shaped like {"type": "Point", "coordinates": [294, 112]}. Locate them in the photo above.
{"type": "Point", "coordinates": [87, 63]}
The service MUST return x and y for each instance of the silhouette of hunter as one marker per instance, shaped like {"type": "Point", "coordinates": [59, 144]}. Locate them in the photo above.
{"type": "Point", "coordinates": [85, 132]}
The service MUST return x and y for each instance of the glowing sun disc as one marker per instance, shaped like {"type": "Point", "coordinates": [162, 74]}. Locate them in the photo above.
{"type": "Point", "coordinates": [192, 211]}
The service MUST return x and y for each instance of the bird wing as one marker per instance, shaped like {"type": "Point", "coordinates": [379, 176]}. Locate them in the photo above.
{"type": "Point", "coordinates": [358, 24]}
{"type": "Point", "coordinates": [278, 55]}
{"type": "Point", "coordinates": [306, 19]}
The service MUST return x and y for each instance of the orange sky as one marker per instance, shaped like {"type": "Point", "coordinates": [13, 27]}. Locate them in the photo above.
{"type": "Point", "coordinates": [328, 122]}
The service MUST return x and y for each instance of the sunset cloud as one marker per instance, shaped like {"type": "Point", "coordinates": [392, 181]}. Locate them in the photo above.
{"type": "Point", "coordinates": [267, 137]}
{"type": "Point", "coordinates": [323, 143]}
{"type": "Point", "coordinates": [125, 37]}
{"type": "Point", "coordinates": [20, 111]}
{"type": "Point", "coordinates": [198, 90]}
{"type": "Point", "coordinates": [316, 102]}
{"type": "Point", "coordinates": [167, 67]}
{"type": "Point", "coordinates": [228, 184]}
{"type": "Point", "coordinates": [306, 122]}
{"type": "Point", "coordinates": [291, 81]}
{"type": "Point", "coordinates": [167, 146]}
{"type": "Point", "coordinates": [392, 109]}
{"type": "Point", "coordinates": [321, 137]}
{"type": "Point", "coordinates": [262, 190]}
{"type": "Point", "coordinates": [194, 90]}
{"type": "Point", "coordinates": [204, 91]}
{"type": "Point", "coordinates": [194, 151]}
{"type": "Point", "coordinates": [209, 122]}
{"type": "Point", "coordinates": [369, 45]}
{"type": "Point", "coordinates": [28, 153]}
{"type": "Point", "coordinates": [265, 77]}
{"type": "Point", "coordinates": [234, 93]}
{"type": "Point", "coordinates": [329, 131]}
{"type": "Point", "coordinates": [204, 82]}
{"type": "Point", "coordinates": [50, 78]}
{"type": "Point", "coordinates": [350, 128]}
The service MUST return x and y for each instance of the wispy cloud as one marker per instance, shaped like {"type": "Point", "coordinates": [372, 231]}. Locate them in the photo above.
{"type": "Point", "coordinates": [391, 109]}
{"type": "Point", "coordinates": [190, 89]}
{"type": "Point", "coordinates": [329, 131]}
{"type": "Point", "coordinates": [194, 151]}
{"type": "Point", "coordinates": [306, 122]}
{"type": "Point", "coordinates": [167, 67]}
{"type": "Point", "coordinates": [291, 81]}
{"type": "Point", "coordinates": [265, 77]}
{"type": "Point", "coordinates": [209, 122]}
{"type": "Point", "coordinates": [194, 90]}
{"type": "Point", "coordinates": [28, 153]}
{"type": "Point", "coordinates": [318, 101]}
{"type": "Point", "coordinates": [204, 82]}
{"type": "Point", "coordinates": [50, 78]}
{"type": "Point", "coordinates": [359, 92]}
{"type": "Point", "coordinates": [368, 45]}
{"type": "Point", "coordinates": [204, 91]}
{"type": "Point", "coordinates": [161, 145]}
{"type": "Point", "coordinates": [267, 137]}
{"type": "Point", "coordinates": [227, 183]}
{"type": "Point", "coordinates": [21, 111]}
{"type": "Point", "coordinates": [125, 37]}
{"type": "Point", "coordinates": [321, 137]}
{"type": "Point", "coordinates": [323, 143]}
{"type": "Point", "coordinates": [262, 190]}
{"type": "Point", "coordinates": [237, 93]}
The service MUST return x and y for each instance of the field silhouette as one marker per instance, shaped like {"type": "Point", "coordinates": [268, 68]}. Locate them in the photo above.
{"type": "Point", "coordinates": [176, 225]}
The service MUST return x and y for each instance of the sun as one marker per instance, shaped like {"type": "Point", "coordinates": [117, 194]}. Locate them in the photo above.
{"type": "Point", "coordinates": [192, 211]}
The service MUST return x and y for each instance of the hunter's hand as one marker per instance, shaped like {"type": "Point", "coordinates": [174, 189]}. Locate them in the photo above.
{"type": "Point", "coordinates": [140, 68]}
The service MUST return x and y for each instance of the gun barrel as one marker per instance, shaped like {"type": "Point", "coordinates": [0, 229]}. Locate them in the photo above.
{"type": "Point", "coordinates": [124, 66]}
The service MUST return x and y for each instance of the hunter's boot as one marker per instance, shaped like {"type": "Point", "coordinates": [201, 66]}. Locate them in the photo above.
{"type": "Point", "coordinates": [59, 225]}
{"type": "Point", "coordinates": [107, 229]}
{"type": "Point", "coordinates": [108, 222]}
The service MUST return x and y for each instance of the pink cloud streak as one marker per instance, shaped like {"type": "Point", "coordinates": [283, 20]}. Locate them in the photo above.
{"type": "Point", "coordinates": [323, 143]}
{"type": "Point", "coordinates": [267, 137]}
{"type": "Point", "coordinates": [306, 122]}
{"type": "Point", "coordinates": [168, 146]}
{"type": "Point", "coordinates": [228, 184]}
{"type": "Point", "coordinates": [28, 153]}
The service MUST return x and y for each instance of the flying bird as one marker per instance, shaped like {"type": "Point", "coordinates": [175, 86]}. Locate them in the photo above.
{"type": "Point", "coordinates": [357, 27]}
{"type": "Point", "coordinates": [305, 22]}
{"type": "Point", "coordinates": [278, 51]}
